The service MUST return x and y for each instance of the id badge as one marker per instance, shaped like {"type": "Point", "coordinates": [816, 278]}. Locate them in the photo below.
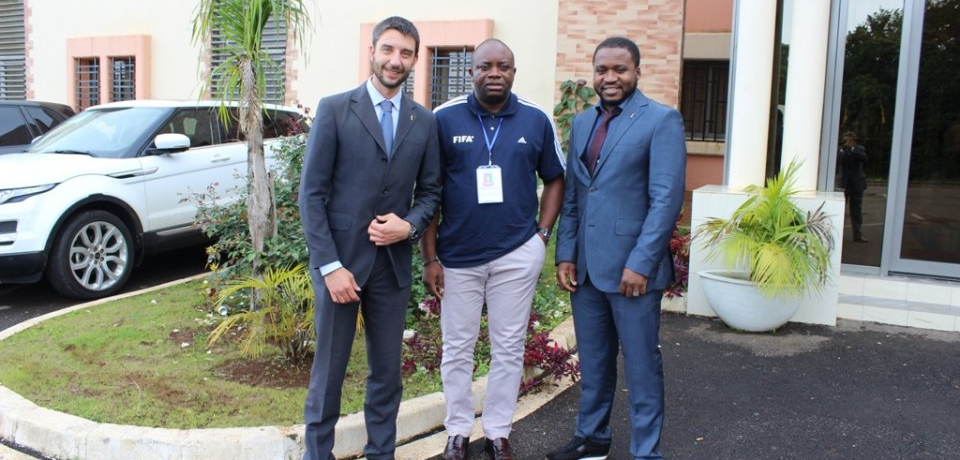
{"type": "Point", "coordinates": [489, 185]}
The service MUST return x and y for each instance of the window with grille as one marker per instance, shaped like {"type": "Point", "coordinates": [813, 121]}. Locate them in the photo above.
{"type": "Point", "coordinates": [704, 100]}
{"type": "Point", "coordinates": [450, 77]}
{"type": "Point", "coordinates": [408, 83]}
{"type": "Point", "coordinates": [87, 82]}
{"type": "Point", "coordinates": [274, 43]}
{"type": "Point", "coordinates": [123, 86]}
{"type": "Point", "coordinates": [13, 70]}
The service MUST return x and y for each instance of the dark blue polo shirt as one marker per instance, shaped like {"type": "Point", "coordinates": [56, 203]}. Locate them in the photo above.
{"type": "Point", "coordinates": [526, 145]}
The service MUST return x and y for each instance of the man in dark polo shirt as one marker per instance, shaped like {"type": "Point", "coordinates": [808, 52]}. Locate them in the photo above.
{"type": "Point", "coordinates": [491, 242]}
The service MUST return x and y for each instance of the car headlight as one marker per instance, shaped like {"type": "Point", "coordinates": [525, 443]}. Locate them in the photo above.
{"type": "Point", "coordinates": [20, 194]}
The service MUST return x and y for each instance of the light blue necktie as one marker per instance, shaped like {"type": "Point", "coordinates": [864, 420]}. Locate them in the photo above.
{"type": "Point", "coordinates": [386, 125]}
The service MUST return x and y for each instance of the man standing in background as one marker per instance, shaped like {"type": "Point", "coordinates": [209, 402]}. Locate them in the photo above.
{"type": "Point", "coordinates": [852, 158]}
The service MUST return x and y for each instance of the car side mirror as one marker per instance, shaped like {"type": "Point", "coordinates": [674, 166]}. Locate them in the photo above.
{"type": "Point", "coordinates": [169, 143]}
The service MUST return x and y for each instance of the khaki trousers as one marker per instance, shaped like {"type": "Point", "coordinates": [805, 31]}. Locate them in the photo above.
{"type": "Point", "coordinates": [506, 285]}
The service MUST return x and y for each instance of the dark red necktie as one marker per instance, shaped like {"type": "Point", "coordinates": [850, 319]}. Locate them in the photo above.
{"type": "Point", "coordinates": [593, 153]}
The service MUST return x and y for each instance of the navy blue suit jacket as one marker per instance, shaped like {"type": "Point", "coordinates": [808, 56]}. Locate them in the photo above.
{"type": "Point", "coordinates": [624, 215]}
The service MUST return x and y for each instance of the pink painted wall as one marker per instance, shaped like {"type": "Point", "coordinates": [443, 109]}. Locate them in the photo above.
{"type": "Point", "coordinates": [703, 170]}
{"type": "Point", "coordinates": [104, 48]}
{"type": "Point", "coordinates": [709, 16]}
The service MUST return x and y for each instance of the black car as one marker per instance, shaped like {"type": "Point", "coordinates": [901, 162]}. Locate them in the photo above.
{"type": "Point", "coordinates": [23, 121]}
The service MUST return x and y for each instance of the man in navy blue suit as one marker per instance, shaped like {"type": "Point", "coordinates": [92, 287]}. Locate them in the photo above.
{"type": "Point", "coordinates": [624, 190]}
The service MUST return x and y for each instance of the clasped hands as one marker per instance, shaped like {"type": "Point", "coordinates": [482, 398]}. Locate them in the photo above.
{"type": "Point", "coordinates": [388, 229]}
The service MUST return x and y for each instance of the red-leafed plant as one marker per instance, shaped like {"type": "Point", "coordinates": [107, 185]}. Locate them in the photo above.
{"type": "Point", "coordinates": [680, 250]}
{"type": "Point", "coordinates": [423, 350]}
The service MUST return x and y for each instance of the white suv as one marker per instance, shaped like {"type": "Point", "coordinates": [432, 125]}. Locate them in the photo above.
{"type": "Point", "coordinates": [114, 183]}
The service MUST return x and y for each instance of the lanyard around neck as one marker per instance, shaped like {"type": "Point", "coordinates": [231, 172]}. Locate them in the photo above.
{"type": "Point", "coordinates": [487, 139]}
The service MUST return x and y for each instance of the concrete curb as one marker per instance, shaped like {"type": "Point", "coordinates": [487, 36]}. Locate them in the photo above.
{"type": "Point", "coordinates": [59, 435]}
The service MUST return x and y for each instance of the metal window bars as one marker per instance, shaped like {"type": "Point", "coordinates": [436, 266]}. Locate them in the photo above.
{"type": "Point", "coordinates": [123, 81]}
{"type": "Point", "coordinates": [450, 77]}
{"type": "Point", "coordinates": [704, 100]}
{"type": "Point", "coordinates": [87, 82]}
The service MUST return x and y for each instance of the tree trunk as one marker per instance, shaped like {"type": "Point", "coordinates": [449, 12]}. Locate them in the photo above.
{"type": "Point", "coordinates": [260, 200]}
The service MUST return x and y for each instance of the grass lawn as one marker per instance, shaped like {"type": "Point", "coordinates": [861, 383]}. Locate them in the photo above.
{"type": "Point", "coordinates": [143, 361]}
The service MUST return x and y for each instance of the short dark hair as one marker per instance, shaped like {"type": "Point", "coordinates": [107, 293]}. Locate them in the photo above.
{"type": "Point", "coordinates": [401, 25]}
{"type": "Point", "coordinates": [849, 134]}
{"type": "Point", "coordinates": [620, 42]}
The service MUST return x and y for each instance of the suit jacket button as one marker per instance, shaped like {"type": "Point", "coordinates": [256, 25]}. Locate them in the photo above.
{"type": "Point", "coordinates": [385, 191]}
{"type": "Point", "coordinates": [593, 189]}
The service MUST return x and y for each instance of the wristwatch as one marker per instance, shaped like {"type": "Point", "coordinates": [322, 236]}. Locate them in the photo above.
{"type": "Point", "coordinates": [414, 234]}
{"type": "Point", "coordinates": [545, 232]}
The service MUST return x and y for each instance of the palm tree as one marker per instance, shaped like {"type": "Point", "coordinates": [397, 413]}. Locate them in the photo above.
{"type": "Point", "coordinates": [242, 75]}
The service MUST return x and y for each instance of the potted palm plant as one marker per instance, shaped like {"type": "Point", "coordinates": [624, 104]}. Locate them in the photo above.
{"type": "Point", "coordinates": [774, 253]}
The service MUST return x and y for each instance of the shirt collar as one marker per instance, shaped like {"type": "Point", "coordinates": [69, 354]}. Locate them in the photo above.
{"type": "Point", "coordinates": [377, 98]}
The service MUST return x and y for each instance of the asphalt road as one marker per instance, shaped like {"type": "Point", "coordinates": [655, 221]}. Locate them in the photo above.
{"type": "Point", "coordinates": [857, 391]}
{"type": "Point", "coordinates": [22, 302]}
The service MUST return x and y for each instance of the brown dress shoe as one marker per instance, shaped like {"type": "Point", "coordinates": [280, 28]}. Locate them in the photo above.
{"type": "Point", "coordinates": [499, 449]}
{"type": "Point", "coordinates": [456, 448]}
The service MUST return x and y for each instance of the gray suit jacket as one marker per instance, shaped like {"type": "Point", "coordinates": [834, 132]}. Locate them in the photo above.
{"type": "Point", "coordinates": [347, 181]}
{"type": "Point", "coordinates": [624, 215]}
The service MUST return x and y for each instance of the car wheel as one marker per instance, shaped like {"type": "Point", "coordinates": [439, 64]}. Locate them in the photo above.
{"type": "Point", "coordinates": [92, 257]}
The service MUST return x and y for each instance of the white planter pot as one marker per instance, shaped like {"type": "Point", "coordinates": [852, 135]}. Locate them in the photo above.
{"type": "Point", "coordinates": [739, 304]}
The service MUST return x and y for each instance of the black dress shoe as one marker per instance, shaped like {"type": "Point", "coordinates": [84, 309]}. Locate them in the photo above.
{"type": "Point", "coordinates": [860, 239]}
{"type": "Point", "coordinates": [499, 449]}
{"type": "Point", "coordinates": [456, 448]}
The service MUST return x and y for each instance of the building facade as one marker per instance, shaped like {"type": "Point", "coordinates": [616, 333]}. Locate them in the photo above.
{"type": "Point", "coordinates": [758, 82]}
{"type": "Point", "coordinates": [110, 51]}
{"type": "Point", "coordinates": [803, 73]}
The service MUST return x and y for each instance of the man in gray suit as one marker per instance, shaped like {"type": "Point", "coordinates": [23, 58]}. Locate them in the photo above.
{"type": "Point", "coordinates": [370, 151]}
{"type": "Point", "coordinates": [624, 190]}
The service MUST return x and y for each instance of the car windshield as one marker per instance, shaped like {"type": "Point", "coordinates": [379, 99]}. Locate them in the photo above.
{"type": "Point", "coordinates": [108, 132]}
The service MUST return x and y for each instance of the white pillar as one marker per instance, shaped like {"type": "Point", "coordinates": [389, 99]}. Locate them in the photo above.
{"type": "Point", "coordinates": [803, 111]}
{"type": "Point", "coordinates": [753, 44]}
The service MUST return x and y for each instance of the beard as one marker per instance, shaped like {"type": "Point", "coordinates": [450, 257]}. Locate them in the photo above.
{"type": "Point", "coordinates": [378, 73]}
{"type": "Point", "coordinates": [612, 103]}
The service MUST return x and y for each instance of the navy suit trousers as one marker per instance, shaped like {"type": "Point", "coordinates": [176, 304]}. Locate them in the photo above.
{"type": "Point", "coordinates": [606, 323]}
{"type": "Point", "coordinates": [384, 309]}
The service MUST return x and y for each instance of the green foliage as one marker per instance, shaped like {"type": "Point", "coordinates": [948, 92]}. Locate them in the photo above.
{"type": "Point", "coordinates": [232, 247]}
{"type": "Point", "coordinates": [284, 319]}
{"type": "Point", "coordinates": [575, 96]}
{"type": "Point", "coordinates": [241, 24]}
{"type": "Point", "coordinates": [786, 250]}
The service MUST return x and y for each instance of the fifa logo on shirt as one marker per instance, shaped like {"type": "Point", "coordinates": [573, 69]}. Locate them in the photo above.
{"type": "Point", "coordinates": [462, 139]}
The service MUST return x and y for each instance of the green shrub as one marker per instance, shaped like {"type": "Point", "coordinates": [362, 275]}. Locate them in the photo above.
{"type": "Point", "coordinates": [227, 224]}
{"type": "Point", "coordinates": [284, 319]}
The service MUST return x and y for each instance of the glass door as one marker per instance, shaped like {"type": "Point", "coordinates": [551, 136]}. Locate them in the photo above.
{"type": "Point", "coordinates": [871, 32]}
{"type": "Point", "coordinates": [927, 211]}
